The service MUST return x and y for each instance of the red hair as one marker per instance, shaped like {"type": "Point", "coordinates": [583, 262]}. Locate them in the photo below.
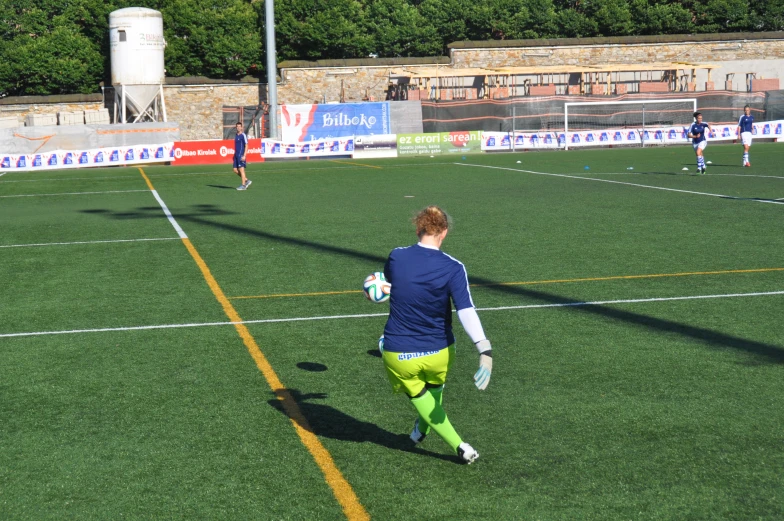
{"type": "Point", "coordinates": [431, 221]}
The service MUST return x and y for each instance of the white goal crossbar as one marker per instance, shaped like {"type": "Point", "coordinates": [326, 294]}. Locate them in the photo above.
{"type": "Point", "coordinates": [642, 102]}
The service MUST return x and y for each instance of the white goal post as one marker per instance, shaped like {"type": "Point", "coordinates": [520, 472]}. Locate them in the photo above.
{"type": "Point", "coordinates": [642, 113]}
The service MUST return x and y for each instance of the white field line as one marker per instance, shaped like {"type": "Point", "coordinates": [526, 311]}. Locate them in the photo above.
{"type": "Point", "coordinates": [169, 216]}
{"type": "Point", "coordinates": [369, 315]}
{"type": "Point", "coordinates": [68, 179]}
{"type": "Point", "coordinates": [620, 183]}
{"type": "Point", "coordinates": [748, 175]}
{"type": "Point", "coordinates": [74, 193]}
{"type": "Point", "coordinates": [268, 170]}
{"type": "Point", "coordinates": [86, 242]}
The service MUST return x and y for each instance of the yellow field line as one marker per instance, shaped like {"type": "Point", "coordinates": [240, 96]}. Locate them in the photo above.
{"type": "Point", "coordinates": [278, 295]}
{"type": "Point", "coordinates": [354, 164]}
{"type": "Point", "coordinates": [342, 490]}
{"type": "Point", "coordinates": [626, 277]}
{"type": "Point", "coordinates": [533, 282]}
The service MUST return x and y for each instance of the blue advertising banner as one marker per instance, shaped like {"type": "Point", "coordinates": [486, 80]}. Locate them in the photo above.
{"type": "Point", "coordinates": [302, 123]}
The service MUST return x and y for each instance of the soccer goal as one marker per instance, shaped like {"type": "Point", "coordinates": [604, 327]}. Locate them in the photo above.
{"type": "Point", "coordinates": [637, 114]}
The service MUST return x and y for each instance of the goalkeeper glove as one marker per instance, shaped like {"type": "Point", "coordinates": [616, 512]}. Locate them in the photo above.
{"type": "Point", "coordinates": [482, 376]}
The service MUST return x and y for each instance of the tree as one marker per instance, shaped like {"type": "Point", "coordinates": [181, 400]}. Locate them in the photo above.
{"type": "Point", "coordinates": [502, 20]}
{"type": "Point", "coordinates": [59, 62]}
{"type": "Point", "coordinates": [661, 18]}
{"type": "Point", "coordinates": [223, 38]}
{"type": "Point", "coordinates": [44, 50]}
{"type": "Point", "coordinates": [574, 24]}
{"type": "Point", "coordinates": [399, 29]}
{"type": "Point", "coordinates": [768, 15]}
{"type": "Point", "coordinates": [449, 18]}
{"type": "Point", "coordinates": [613, 17]}
{"type": "Point", "coordinates": [719, 16]}
{"type": "Point", "coordinates": [214, 38]}
{"type": "Point", "coordinates": [317, 29]}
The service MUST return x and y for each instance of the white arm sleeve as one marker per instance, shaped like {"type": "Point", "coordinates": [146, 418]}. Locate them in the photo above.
{"type": "Point", "coordinates": [471, 324]}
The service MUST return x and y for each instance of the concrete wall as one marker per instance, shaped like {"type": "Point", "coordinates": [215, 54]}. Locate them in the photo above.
{"type": "Point", "coordinates": [21, 107]}
{"type": "Point", "coordinates": [198, 108]}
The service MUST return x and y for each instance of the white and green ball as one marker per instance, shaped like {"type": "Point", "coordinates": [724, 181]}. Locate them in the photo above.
{"type": "Point", "coordinates": [377, 288]}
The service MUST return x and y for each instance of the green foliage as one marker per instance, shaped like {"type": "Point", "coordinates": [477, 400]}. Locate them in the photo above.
{"type": "Point", "coordinates": [314, 29]}
{"type": "Point", "coordinates": [58, 62]}
{"type": "Point", "coordinates": [225, 38]}
{"type": "Point", "coordinates": [661, 18]}
{"type": "Point", "coordinates": [400, 29]}
{"type": "Point", "coordinates": [213, 38]}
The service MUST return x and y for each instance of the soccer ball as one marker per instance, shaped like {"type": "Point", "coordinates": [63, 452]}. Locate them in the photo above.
{"type": "Point", "coordinates": [381, 344]}
{"type": "Point", "coordinates": [377, 288]}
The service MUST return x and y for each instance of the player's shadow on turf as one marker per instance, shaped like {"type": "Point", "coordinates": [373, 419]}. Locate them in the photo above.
{"type": "Point", "coordinates": [154, 212]}
{"type": "Point", "coordinates": [759, 199]}
{"type": "Point", "coordinates": [328, 422]}
{"type": "Point", "coordinates": [224, 187]}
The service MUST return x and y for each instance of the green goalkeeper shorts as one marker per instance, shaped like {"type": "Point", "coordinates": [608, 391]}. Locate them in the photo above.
{"type": "Point", "coordinates": [409, 372]}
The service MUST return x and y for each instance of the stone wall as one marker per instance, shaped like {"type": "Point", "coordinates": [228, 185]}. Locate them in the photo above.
{"type": "Point", "coordinates": [332, 81]}
{"type": "Point", "coordinates": [765, 57]}
{"type": "Point", "coordinates": [199, 108]}
{"type": "Point", "coordinates": [361, 80]}
{"type": "Point", "coordinates": [332, 84]}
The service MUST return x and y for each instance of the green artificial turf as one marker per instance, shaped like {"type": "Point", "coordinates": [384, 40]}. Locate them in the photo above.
{"type": "Point", "coordinates": [666, 410]}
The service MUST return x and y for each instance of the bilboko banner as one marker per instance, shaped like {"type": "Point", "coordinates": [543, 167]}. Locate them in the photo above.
{"type": "Point", "coordinates": [497, 141]}
{"type": "Point", "coordinates": [466, 142]}
{"type": "Point", "coordinates": [301, 123]}
{"type": "Point", "coordinates": [113, 156]}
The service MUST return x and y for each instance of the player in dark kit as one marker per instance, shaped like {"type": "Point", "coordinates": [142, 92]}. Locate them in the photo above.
{"type": "Point", "coordinates": [419, 345]}
{"type": "Point", "coordinates": [240, 152]}
{"type": "Point", "coordinates": [699, 140]}
{"type": "Point", "coordinates": [745, 131]}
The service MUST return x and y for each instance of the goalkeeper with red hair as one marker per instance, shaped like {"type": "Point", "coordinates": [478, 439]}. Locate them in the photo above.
{"type": "Point", "coordinates": [418, 346]}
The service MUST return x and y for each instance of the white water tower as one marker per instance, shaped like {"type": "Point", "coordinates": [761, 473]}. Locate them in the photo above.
{"type": "Point", "coordinates": [136, 44]}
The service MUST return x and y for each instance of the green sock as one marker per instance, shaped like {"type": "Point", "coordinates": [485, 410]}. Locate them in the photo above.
{"type": "Point", "coordinates": [438, 394]}
{"type": "Point", "coordinates": [432, 412]}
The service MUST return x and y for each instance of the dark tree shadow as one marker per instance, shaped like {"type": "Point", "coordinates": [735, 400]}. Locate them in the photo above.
{"type": "Point", "coordinates": [327, 422]}
{"type": "Point", "coordinates": [709, 338]}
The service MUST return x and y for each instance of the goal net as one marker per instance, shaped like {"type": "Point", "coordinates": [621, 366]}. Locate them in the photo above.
{"type": "Point", "coordinates": [638, 114]}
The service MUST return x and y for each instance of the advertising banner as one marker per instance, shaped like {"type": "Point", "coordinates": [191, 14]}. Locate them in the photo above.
{"type": "Point", "coordinates": [301, 123]}
{"type": "Point", "coordinates": [384, 145]}
{"type": "Point", "coordinates": [522, 141]}
{"type": "Point", "coordinates": [114, 156]}
{"type": "Point", "coordinates": [674, 135]}
{"type": "Point", "coordinates": [213, 152]}
{"type": "Point", "coordinates": [320, 148]}
{"type": "Point", "coordinates": [468, 142]}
